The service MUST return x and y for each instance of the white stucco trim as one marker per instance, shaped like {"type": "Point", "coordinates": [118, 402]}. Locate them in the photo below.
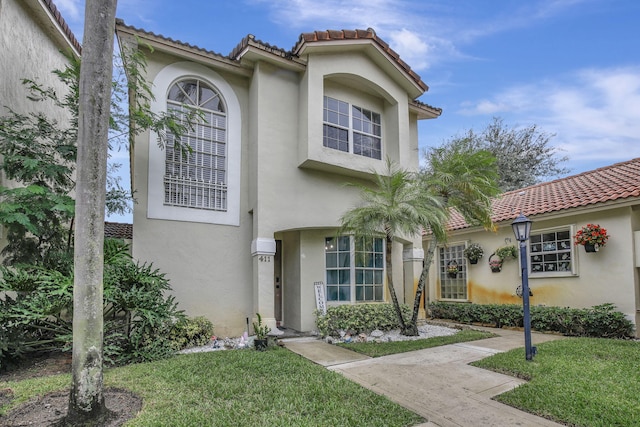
{"type": "Point", "coordinates": [156, 208]}
{"type": "Point", "coordinates": [263, 246]}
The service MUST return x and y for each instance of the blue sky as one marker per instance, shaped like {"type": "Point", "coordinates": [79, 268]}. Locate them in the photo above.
{"type": "Point", "coordinates": [572, 67]}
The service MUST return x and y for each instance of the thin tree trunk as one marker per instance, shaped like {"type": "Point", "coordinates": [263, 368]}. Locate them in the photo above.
{"type": "Point", "coordinates": [392, 291]}
{"type": "Point", "coordinates": [86, 400]}
{"type": "Point", "coordinates": [421, 282]}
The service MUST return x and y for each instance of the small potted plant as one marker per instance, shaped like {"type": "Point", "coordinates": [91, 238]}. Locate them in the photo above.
{"type": "Point", "coordinates": [474, 252]}
{"type": "Point", "coordinates": [452, 269]}
{"type": "Point", "coordinates": [261, 330]}
{"type": "Point", "coordinates": [592, 237]}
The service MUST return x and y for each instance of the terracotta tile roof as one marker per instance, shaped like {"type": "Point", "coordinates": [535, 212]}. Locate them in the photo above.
{"type": "Point", "coordinates": [120, 23]}
{"type": "Point", "coordinates": [63, 24]}
{"type": "Point", "coordinates": [118, 230]}
{"type": "Point", "coordinates": [611, 183]}
{"type": "Point", "coordinates": [316, 36]}
{"type": "Point", "coordinates": [337, 35]}
{"type": "Point", "coordinates": [250, 40]}
{"type": "Point", "coordinates": [424, 106]}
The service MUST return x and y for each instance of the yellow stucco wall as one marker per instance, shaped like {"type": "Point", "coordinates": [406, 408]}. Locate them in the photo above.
{"type": "Point", "coordinates": [607, 276]}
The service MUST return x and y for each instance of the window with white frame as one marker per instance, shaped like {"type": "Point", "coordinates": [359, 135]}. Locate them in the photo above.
{"type": "Point", "coordinates": [196, 165]}
{"type": "Point", "coordinates": [344, 123]}
{"type": "Point", "coordinates": [551, 251]}
{"type": "Point", "coordinates": [354, 269]}
{"type": "Point", "coordinates": [453, 285]}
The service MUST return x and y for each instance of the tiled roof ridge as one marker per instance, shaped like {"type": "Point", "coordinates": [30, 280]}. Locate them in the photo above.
{"type": "Point", "coordinates": [369, 33]}
{"type": "Point", "coordinates": [63, 24]}
{"type": "Point", "coordinates": [263, 45]}
{"type": "Point", "coordinates": [120, 22]}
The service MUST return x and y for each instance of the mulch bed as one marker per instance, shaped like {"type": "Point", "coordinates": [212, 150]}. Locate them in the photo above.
{"type": "Point", "coordinates": [50, 409]}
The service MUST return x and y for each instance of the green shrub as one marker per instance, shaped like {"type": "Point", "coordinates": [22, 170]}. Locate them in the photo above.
{"type": "Point", "coordinates": [601, 321]}
{"type": "Point", "coordinates": [192, 332]}
{"type": "Point", "coordinates": [138, 316]}
{"type": "Point", "coordinates": [359, 318]}
{"type": "Point", "coordinates": [507, 252]}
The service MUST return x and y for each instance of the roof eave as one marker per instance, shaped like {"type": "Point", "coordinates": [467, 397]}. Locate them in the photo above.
{"type": "Point", "coordinates": [255, 52]}
{"type": "Point", "coordinates": [182, 50]}
{"type": "Point", "coordinates": [423, 111]}
{"type": "Point", "coordinates": [50, 16]}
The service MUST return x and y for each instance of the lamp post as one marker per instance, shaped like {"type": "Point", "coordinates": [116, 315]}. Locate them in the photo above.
{"type": "Point", "coordinates": [522, 229]}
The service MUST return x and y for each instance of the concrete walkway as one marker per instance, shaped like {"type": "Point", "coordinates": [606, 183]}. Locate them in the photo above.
{"type": "Point", "coordinates": [437, 383]}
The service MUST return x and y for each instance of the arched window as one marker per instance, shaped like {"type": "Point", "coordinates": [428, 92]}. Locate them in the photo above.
{"type": "Point", "coordinates": [197, 178]}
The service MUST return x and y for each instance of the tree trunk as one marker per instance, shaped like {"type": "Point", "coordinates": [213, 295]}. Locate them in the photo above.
{"type": "Point", "coordinates": [392, 290]}
{"type": "Point", "coordinates": [86, 401]}
{"type": "Point", "coordinates": [412, 326]}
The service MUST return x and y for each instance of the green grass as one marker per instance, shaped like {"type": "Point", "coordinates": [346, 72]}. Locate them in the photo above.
{"type": "Point", "coordinates": [373, 349]}
{"type": "Point", "coordinates": [239, 388]}
{"type": "Point", "coordinates": [579, 381]}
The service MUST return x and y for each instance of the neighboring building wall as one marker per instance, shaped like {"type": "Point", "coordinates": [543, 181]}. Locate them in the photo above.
{"type": "Point", "coordinates": [607, 276]}
{"type": "Point", "coordinates": [33, 43]}
{"type": "Point", "coordinates": [28, 50]}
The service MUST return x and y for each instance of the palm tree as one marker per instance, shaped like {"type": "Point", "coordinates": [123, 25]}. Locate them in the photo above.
{"type": "Point", "coordinates": [465, 178]}
{"type": "Point", "coordinates": [395, 206]}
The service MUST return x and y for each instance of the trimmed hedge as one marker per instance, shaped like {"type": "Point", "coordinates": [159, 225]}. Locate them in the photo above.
{"type": "Point", "coordinates": [601, 321]}
{"type": "Point", "coordinates": [359, 318]}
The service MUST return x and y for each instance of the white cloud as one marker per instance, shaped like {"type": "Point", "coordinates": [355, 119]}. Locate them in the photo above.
{"type": "Point", "coordinates": [411, 47]}
{"type": "Point", "coordinates": [423, 33]}
{"type": "Point", "coordinates": [595, 113]}
{"type": "Point", "coordinates": [72, 10]}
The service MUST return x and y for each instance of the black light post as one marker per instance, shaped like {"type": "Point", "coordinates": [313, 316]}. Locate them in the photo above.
{"type": "Point", "coordinates": [522, 229]}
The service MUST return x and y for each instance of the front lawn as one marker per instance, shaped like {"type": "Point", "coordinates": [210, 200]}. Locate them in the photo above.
{"type": "Point", "coordinates": [239, 388]}
{"type": "Point", "coordinates": [374, 349]}
{"type": "Point", "coordinates": [578, 381]}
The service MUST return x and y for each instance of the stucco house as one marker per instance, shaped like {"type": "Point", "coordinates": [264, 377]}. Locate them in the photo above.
{"type": "Point", "coordinates": [246, 223]}
{"type": "Point", "coordinates": [34, 39]}
{"type": "Point", "coordinates": [560, 272]}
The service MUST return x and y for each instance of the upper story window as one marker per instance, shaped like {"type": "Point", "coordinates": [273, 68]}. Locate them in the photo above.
{"type": "Point", "coordinates": [351, 129]}
{"type": "Point", "coordinates": [197, 178]}
{"type": "Point", "coordinates": [551, 252]}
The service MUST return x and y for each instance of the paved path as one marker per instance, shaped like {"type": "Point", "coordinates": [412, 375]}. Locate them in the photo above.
{"type": "Point", "coordinates": [437, 383]}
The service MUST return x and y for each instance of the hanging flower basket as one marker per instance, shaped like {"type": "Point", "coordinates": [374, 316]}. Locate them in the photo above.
{"type": "Point", "coordinates": [588, 247]}
{"type": "Point", "coordinates": [452, 269]}
{"type": "Point", "coordinates": [473, 252]}
{"type": "Point", "coordinates": [495, 262]}
{"type": "Point", "coordinates": [592, 236]}
{"type": "Point", "coordinates": [507, 252]}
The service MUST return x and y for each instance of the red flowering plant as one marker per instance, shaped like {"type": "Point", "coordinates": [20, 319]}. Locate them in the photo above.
{"type": "Point", "coordinates": [591, 234]}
